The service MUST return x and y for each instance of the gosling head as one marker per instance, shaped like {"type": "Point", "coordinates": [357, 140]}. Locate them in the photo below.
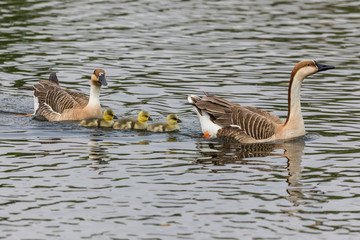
{"type": "Point", "coordinates": [172, 119]}
{"type": "Point", "coordinates": [98, 78]}
{"type": "Point", "coordinates": [308, 67]}
{"type": "Point", "coordinates": [144, 116]}
{"type": "Point", "coordinates": [109, 115]}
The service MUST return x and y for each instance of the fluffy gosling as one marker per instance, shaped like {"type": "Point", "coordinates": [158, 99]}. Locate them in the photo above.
{"type": "Point", "coordinates": [107, 121]}
{"type": "Point", "coordinates": [133, 123]}
{"type": "Point", "coordinates": [170, 125]}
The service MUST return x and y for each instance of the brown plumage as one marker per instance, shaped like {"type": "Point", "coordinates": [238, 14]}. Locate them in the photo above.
{"type": "Point", "coordinates": [242, 123]}
{"type": "Point", "coordinates": [221, 118]}
{"type": "Point", "coordinates": [58, 104]}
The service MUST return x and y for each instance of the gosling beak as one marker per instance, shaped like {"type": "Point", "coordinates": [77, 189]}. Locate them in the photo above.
{"type": "Point", "coordinates": [323, 67]}
{"type": "Point", "coordinates": [102, 79]}
{"type": "Point", "coordinates": [115, 117]}
{"type": "Point", "coordinates": [179, 121]}
{"type": "Point", "coordinates": [149, 119]}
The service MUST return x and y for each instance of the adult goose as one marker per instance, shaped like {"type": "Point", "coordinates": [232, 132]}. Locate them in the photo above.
{"type": "Point", "coordinates": [58, 104]}
{"type": "Point", "coordinates": [221, 118]}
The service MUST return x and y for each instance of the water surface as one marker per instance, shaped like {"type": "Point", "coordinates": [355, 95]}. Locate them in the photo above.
{"type": "Point", "coordinates": [62, 181]}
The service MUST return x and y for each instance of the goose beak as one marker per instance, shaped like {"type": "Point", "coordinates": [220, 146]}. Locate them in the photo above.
{"type": "Point", "coordinates": [323, 67]}
{"type": "Point", "coordinates": [179, 121]}
{"type": "Point", "coordinates": [102, 79]}
{"type": "Point", "coordinates": [150, 119]}
{"type": "Point", "coordinates": [115, 117]}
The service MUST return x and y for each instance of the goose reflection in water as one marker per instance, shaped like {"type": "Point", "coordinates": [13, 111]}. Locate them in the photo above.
{"type": "Point", "coordinates": [222, 153]}
{"type": "Point", "coordinates": [97, 153]}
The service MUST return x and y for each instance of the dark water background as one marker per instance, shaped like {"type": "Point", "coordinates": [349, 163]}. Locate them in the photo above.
{"type": "Point", "coordinates": [61, 181]}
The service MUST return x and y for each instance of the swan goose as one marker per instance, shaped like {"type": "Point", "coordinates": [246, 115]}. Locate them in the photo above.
{"type": "Point", "coordinates": [132, 123]}
{"type": "Point", "coordinates": [221, 118]}
{"type": "Point", "coordinates": [107, 121]}
{"type": "Point", "coordinates": [170, 125]}
{"type": "Point", "coordinates": [58, 104]}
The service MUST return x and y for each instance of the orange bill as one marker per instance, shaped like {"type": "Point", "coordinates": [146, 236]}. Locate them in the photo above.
{"type": "Point", "coordinates": [23, 115]}
{"type": "Point", "coordinates": [207, 135]}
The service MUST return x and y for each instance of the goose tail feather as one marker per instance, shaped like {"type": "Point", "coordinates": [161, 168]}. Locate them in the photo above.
{"type": "Point", "coordinates": [192, 100]}
{"type": "Point", "coordinates": [53, 78]}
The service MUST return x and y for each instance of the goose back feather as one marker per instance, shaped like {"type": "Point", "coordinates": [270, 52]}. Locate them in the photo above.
{"type": "Point", "coordinates": [56, 98]}
{"type": "Point", "coordinates": [236, 121]}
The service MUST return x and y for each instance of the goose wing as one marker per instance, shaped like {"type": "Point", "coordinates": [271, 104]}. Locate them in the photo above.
{"type": "Point", "coordinates": [80, 98]}
{"type": "Point", "coordinates": [56, 98]}
{"type": "Point", "coordinates": [266, 114]}
{"type": "Point", "coordinates": [217, 108]}
{"type": "Point", "coordinates": [249, 124]}
{"type": "Point", "coordinates": [46, 111]}
{"type": "Point", "coordinates": [240, 122]}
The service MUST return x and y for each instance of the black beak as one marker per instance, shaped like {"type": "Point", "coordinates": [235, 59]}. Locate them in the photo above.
{"type": "Point", "coordinates": [102, 79]}
{"type": "Point", "coordinates": [179, 121]}
{"type": "Point", "coordinates": [149, 119]}
{"type": "Point", "coordinates": [115, 117]}
{"type": "Point", "coordinates": [323, 67]}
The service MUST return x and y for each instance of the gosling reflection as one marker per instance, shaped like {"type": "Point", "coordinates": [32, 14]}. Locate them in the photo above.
{"type": "Point", "coordinates": [97, 153]}
{"type": "Point", "coordinates": [222, 153]}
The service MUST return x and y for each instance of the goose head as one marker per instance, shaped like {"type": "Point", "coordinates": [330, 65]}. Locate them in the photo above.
{"type": "Point", "coordinates": [98, 78]}
{"type": "Point", "coordinates": [308, 67]}
{"type": "Point", "coordinates": [144, 116]}
{"type": "Point", "coordinates": [172, 119]}
{"type": "Point", "coordinates": [109, 115]}
{"type": "Point", "coordinates": [299, 73]}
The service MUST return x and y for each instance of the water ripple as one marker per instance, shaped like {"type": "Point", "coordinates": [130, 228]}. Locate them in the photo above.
{"type": "Point", "coordinates": [60, 180]}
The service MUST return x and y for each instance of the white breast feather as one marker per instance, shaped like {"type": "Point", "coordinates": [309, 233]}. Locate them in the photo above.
{"type": "Point", "coordinates": [36, 104]}
{"type": "Point", "coordinates": [207, 125]}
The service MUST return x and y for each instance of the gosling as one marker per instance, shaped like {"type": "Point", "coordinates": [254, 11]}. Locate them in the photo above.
{"type": "Point", "coordinates": [106, 122]}
{"type": "Point", "coordinates": [132, 123]}
{"type": "Point", "coordinates": [170, 125]}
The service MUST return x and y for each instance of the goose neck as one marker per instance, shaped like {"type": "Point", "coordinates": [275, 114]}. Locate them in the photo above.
{"type": "Point", "coordinates": [294, 118]}
{"type": "Point", "coordinates": [94, 95]}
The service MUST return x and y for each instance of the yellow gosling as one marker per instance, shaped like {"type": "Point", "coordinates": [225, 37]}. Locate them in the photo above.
{"type": "Point", "coordinates": [106, 122]}
{"type": "Point", "coordinates": [170, 125]}
{"type": "Point", "coordinates": [132, 123]}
